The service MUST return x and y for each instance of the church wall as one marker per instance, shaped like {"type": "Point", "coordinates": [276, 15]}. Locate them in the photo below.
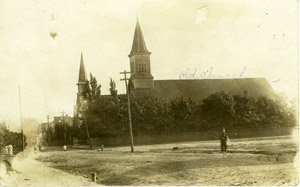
{"type": "Point", "coordinates": [143, 83]}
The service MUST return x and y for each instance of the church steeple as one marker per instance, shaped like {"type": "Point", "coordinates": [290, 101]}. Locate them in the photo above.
{"type": "Point", "coordinates": [82, 79]}
{"type": "Point", "coordinates": [82, 74]}
{"type": "Point", "coordinates": [140, 61]}
{"type": "Point", "coordinates": [138, 45]}
{"type": "Point", "coordinates": [83, 89]}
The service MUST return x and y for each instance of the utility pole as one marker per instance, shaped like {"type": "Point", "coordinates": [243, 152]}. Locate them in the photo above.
{"type": "Point", "coordinates": [128, 105]}
{"type": "Point", "coordinates": [48, 128]}
{"type": "Point", "coordinates": [65, 127]}
{"type": "Point", "coordinates": [21, 121]}
{"type": "Point", "coordinates": [87, 130]}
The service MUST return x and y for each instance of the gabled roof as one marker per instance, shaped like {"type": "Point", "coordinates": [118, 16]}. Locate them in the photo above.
{"type": "Point", "coordinates": [82, 74]}
{"type": "Point", "coordinates": [138, 45]}
{"type": "Point", "coordinates": [199, 89]}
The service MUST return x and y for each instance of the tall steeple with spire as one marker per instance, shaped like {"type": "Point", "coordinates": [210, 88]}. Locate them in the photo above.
{"type": "Point", "coordinates": [82, 84]}
{"type": "Point", "coordinates": [82, 73]}
{"type": "Point", "coordinates": [139, 56]}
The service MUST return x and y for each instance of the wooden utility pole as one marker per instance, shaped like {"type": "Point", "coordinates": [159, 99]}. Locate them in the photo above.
{"type": "Point", "coordinates": [65, 127]}
{"type": "Point", "coordinates": [21, 120]}
{"type": "Point", "coordinates": [87, 131]}
{"type": "Point", "coordinates": [128, 105]}
{"type": "Point", "coordinates": [47, 129]}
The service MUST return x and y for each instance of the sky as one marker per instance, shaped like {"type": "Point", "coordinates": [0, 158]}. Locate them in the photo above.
{"type": "Point", "coordinates": [257, 36]}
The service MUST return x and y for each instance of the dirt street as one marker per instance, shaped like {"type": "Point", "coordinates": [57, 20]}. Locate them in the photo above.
{"type": "Point", "coordinates": [251, 162]}
{"type": "Point", "coordinates": [24, 170]}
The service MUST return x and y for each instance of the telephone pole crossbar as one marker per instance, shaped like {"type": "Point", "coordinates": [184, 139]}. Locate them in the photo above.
{"type": "Point", "coordinates": [128, 104]}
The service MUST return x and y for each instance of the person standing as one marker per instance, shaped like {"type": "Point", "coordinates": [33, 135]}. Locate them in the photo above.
{"type": "Point", "coordinates": [224, 139]}
{"type": "Point", "coordinates": [65, 148]}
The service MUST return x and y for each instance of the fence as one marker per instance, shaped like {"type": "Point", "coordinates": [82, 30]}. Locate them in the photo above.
{"type": "Point", "coordinates": [193, 136]}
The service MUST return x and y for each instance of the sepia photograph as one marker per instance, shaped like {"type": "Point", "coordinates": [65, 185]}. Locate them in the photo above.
{"type": "Point", "coordinates": [149, 93]}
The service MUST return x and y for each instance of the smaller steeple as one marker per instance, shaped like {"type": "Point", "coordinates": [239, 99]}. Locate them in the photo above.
{"type": "Point", "coordinates": [82, 79]}
{"type": "Point", "coordinates": [83, 88]}
{"type": "Point", "coordinates": [138, 45]}
{"type": "Point", "coordinates": [82, 74]}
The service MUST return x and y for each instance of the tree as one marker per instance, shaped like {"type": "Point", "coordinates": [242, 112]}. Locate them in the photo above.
{"type": "Point", "coordinates": [8, 137]}
{"type": "Point", "coordinates": [94, 89]}
{"type": "Point", "coordinates": [107, 117]}
{"type": "Point", "coordinates": [219, 108]}
{"type": "Point", "coordinates": [182, 108]}
{"type": "Point", "coordinates": [112, 89]}
{"type": "Point", "coordinates": [275, 111]}
{"type": "Point", "coordinates": [245, 111]}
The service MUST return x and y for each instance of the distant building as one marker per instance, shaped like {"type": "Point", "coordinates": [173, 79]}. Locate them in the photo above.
{"type": "Point", "coordinates": [68, 120]}
{"type": "Point", "coordinates": [47, 130]}
{"type": "Point", "coordinates": [142, 82]}
{"type": "Point", "coordinates": [63, 120]}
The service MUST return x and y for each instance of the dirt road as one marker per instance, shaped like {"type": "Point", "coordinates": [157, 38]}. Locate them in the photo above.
{"type": "Point", "coordinates": [26, 171]}
{"type": "Point", "coordinates": [265, 161]}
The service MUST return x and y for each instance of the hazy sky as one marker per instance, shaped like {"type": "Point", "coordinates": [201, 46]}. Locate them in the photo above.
{"type": "Point", "coordinates": [261, 35]}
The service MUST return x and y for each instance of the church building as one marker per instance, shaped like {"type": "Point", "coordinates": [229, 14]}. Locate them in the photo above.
{"type": "Point", "coordinates": [142, 82]}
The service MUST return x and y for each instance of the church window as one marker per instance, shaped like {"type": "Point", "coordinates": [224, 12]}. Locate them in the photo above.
{"type": "Point", "coordinates": [140, 65]}
{"type": "Point", "coordinates": [143, 67]}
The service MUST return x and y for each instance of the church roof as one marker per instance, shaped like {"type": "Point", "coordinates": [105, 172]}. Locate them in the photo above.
{"type": "Point", "coordinates": [138, 45]}
{"type": "Point", "coordinates": [199, 89]}
{"type": "Point", "coordinates": [82, 73]}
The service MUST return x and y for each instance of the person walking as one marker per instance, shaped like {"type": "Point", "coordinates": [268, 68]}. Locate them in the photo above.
{"type": "Point", "coordinates": [224, 139]}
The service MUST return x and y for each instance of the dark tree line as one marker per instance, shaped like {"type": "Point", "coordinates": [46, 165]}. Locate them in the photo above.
{"type": "Point", "coordinates": [107, 115]}
{"type": "Point", "coordinates": [8, 137]}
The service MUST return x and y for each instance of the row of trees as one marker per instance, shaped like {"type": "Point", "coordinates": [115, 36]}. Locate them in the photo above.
{"type": "Point", "coordinates": [107, 115]}
{"type": "Point", "coordinates": [8, 137]}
